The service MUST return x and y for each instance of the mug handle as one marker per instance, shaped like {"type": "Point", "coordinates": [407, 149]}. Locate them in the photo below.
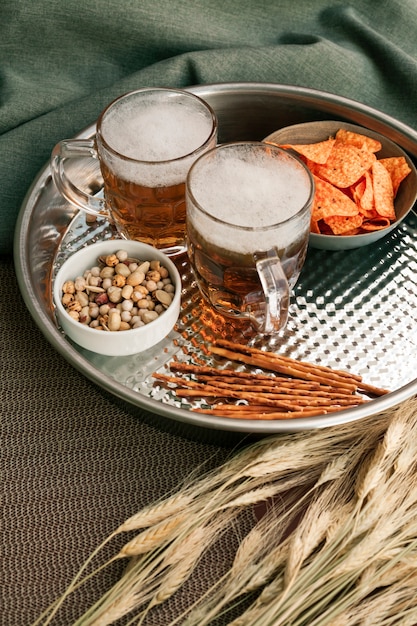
{"type": "Point", "coordinates": [276, 291]}
{"type": "Point", "coordinates": [71, 149]}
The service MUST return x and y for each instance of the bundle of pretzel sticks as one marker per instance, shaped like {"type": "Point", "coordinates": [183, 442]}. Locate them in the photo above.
{"type": "Point", "coordinates": [291, 389]}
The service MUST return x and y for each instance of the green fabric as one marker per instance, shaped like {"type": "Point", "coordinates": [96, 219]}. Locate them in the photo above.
{"type": "Point", "coordinates": [62, 61]}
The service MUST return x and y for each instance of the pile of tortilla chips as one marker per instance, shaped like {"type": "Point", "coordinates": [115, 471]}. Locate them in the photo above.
{"type": "Point", "coordinates": [355, 191]}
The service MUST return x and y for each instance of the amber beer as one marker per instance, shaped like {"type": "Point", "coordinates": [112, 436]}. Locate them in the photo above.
{"type": "Point", "coordinates": [147, 141]}
{"type": "Point", "coordinates": [152, 215]}
{"type": "Point", "coordinates": [248, 220]}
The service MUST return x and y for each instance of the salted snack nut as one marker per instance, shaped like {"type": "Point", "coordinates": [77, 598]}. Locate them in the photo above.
{"type": "Point", "coordinates": [119, 293]}
{"type": "Point", "coordinates": [90, 291]}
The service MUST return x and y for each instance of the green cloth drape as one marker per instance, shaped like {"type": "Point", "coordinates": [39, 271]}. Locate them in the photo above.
{"type": "Point", "coordinates": [62, 61]}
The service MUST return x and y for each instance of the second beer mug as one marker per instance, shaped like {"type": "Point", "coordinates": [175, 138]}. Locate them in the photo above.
{"type": "Point", "coordinates": [146, 141]}
{"type": "Point", "coordinates": [248, 222]}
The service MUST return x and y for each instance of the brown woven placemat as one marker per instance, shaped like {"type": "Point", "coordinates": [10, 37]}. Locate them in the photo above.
{"type": "Point", "coordinates": [74, 465]}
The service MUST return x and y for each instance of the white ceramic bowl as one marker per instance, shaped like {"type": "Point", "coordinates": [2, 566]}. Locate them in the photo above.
{"type": "Point", "coordinates": [311, 132]}
{"type": "Point", "coordinates": [117, 343]}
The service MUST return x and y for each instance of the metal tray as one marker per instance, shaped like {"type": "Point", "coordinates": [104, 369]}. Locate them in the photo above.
{"type": "Point", "coordinates": [354, 309]}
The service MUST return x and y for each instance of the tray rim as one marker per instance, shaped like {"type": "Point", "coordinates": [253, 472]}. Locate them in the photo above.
{"type": "Point", "coordinates": [402, 134]}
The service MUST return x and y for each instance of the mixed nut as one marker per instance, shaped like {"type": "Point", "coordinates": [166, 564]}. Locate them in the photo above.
{"type": "Point", "coordinates": [119, 293]}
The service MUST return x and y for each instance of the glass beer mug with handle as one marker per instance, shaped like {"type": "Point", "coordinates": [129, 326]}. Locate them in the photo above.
{"type": "Point", "coordinates": [145, 142]}
{"type": "Point", "coordinates": [248, 222]}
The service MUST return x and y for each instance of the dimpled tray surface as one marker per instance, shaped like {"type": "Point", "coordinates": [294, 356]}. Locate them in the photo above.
{"type": "Point", "coordinates": [354, 309]}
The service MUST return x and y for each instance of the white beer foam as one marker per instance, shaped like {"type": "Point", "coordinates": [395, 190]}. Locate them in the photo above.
{"type": "Point", "coordinates": [151, 132]}
{"type": "Point", "coordinates": [249, 189]}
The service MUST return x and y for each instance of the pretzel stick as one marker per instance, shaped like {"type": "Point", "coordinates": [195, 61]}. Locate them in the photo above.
{"type": "Point", "coordinates": [302, 366]}
{"type": "Point", "coordinates": [190, 368]}
{"type": "Point", "coordinates": [276, 366]}
{"type": "Point", "coordinates": [303, 386]}
{"type": "Point", "coordinates": [293, 364]}
{"type": "Point", "coordinates": [371, 390]}
{"type": "Point", "coordinates": [193, 389]}
{"type": "Point", "coordinates": [266, 416]}
{"type": "Point", "coordinates": [306, 367]}
{"type": "Point", "coordinates": [223, 388]}
{"type": "Point", "coordinates": [286, 402]}
{"type": "Point", "coordinates": [282, 404]}
{"type": "Point", "coordinates": [299, 394]}
{"type": "Point", "coordinates": [260, 409]}
{"type": "Point", "coordinates": [252, 377]}
{"type": "Point", "coordinates": [249, 378]}
{"type": "Point", "coordinates": [291, 404]}
{"type": "Point", "coordinates": [295, 389]}
{"type": "Point", "coordinates": [246, 408]}
{"type": "Point", "coordinates": [216, 376]}
{"type": "Point", "coordinates": [310, 391]}
{"type": "Point", "coordinates": [280, 357]}
{"type": "Point", "coordinates": [274, 383]}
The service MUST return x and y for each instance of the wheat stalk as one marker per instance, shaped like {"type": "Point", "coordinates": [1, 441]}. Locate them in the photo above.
{"type": "Point", "coordinates": [382, 531]}
{"type": "Point", "coordinates": [182, 557]}
{"type": "Point", "coordinates": [117, 609]}
{"type": "Point", "coordinates": [152, 537]}
{"type": "Point", "coordinates": [157, 513]}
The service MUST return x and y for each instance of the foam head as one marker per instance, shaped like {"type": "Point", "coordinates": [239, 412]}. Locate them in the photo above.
{"type": "Point", "coordinates": [154, 128]}
{"type": "Point", "coordinates": [253, 187]}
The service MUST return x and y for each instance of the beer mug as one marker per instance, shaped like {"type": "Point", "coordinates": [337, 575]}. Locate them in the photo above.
{"type": "Point", "coordinates": [145, 142]}
{"type": "Point", "coordinates": [248, 223]}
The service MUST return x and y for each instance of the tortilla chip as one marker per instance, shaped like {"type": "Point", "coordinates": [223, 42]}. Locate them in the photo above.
{"type": "Point", "coordinates": [341, 224]}
{"type": "Point", "coordinates": [357, 190]}
{"type": "Point", "coordinates": [310, 164]}
{"type": "Point", "coordinates": [383, 191]}
{"type": "Point", "coordinates": [377, 223]}
{"type": "Point", "coordinates": [354, 190]}
{"type": "Point", "coordinates": [315, 152]}
{"type": "Point", "coordinates": [398, 169]}
{"type": "Point", "coordinates": [330, 201]}
{"type": "Point", "coordinates": [363, 195]}
{"type": "Point", "coordinates": [346, 165]}
{"type": "Point", "coordinates": [354, 231]}
{"type": "Point", "coordinates": [314, 226]}
{"type": "Point", "coordinates": [362, 142]}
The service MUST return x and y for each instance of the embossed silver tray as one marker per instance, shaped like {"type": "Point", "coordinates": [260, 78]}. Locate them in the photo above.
{"type": "Point", "coordinates": [354, 309]}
